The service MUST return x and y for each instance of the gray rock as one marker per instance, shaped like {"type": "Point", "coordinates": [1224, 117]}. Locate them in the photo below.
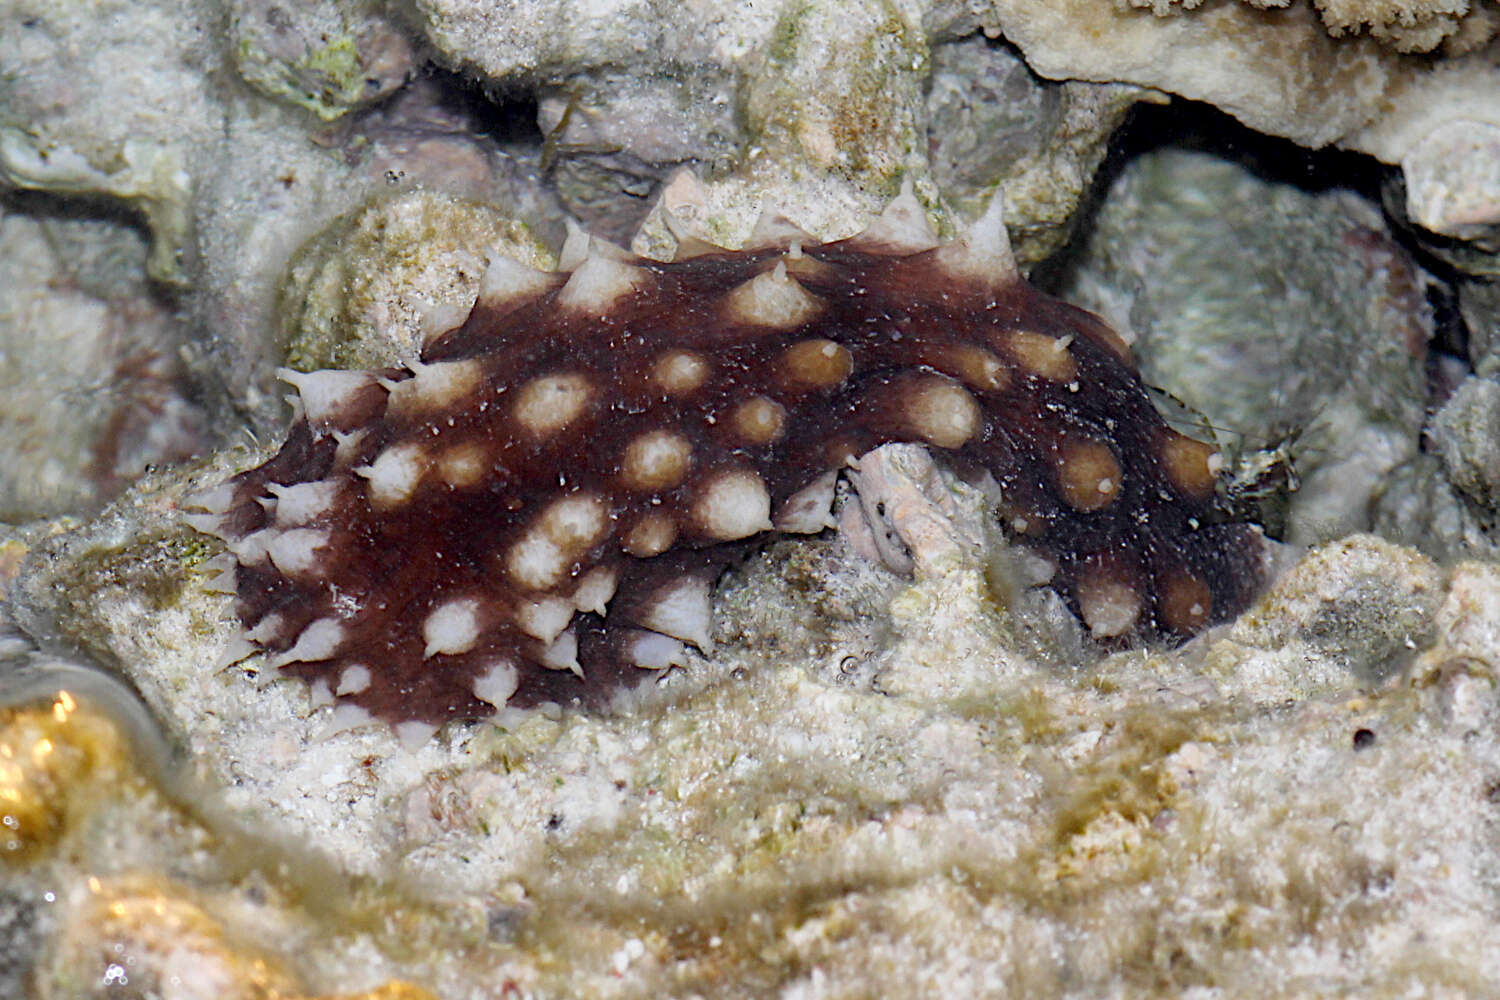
{"type": "Point", "coordinates": [1276, 315]}
{"type": "Point", "coordinates": [1466, 433]}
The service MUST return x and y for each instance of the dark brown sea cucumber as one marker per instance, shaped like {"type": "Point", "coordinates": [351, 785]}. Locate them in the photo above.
{"type": "Point", "coordinates": [536, 510]}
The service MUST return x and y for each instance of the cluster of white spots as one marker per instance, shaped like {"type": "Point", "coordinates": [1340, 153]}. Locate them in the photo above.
{"type": "Point", "coordinates": [595, 590]}
{"type": "Point", "coordinates": [433, 388]}
{"type": "Point", "coordinates": [758, 420]}
{"type": "Point", "coordinates": [1192, 466]}
{"type": "Point", "coordinates": [679, 372]}
{"type": "Point", "coordinates": [463, 465]}
{"type": "Point", "coordinates": [497, 683]}
{"type": "Point", "coordinates": [682, 609]}
{"type": "Point", "coordinates": [547, 404]}
{"type": "Point", "coordinates": [976, 367]}
{"type": "Point", "coordinates": [598, 283]}
{"type": "Point", "coordinates": [558, 537]}
{"type": "Point", "coordinates": [294, 552]}
{"type": "Point", "coordinates": [1041, 355]}
{"type": "Point", "coordinates": [942, 412]}
{"type": "Point", "coordinates": [654, 651]}
{"type": "Point", "coordinates": [656, 460]}
{"type": "Point", "coordinates": [1088, 474]}
{"type": "Point", "coordinates": [452, 627]}
{"type": "Point", "coordinates": [817, 363]}
{"type": "Point", "coordinates": [301, 503]}
{"type": "Point", "coordinates": [650, 536]}
{"type": "Point", "coordinates": [394, 475]}
{"type": "Point", "coordinates": [508, 282]}
{"type": "Point", "coordinates": [810, 509]}
{"type": "Point", "coordinates": [772, 299]}
{"type": "Point", "coordinates": [544, 618]}
{"type": "Point", "coordinates": [326, 395]}
{"type": "Point", "coordinates": [318, 641]}
{"type": "Point", "coordinates": [1110, 606]}
{"type": "Point", "coordinates": [1184, 601]}
{"type": "Point", "coordinates": [733, 504]}
{"type": "Point", "coordinates": [353, 679]}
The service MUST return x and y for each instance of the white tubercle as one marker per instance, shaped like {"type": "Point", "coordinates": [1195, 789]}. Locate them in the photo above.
{"type": "Point", "coordinates": [453, 627]}
{"type": "Point", "coordinates": [901, 229]}
{"type": "Point", "coordinates": [655, 651]}
{"type": "Point", "coordinates": [810, 509]}
{"type": "Point", "coordinates": [302, 502]}
{"type": "Point", "coordinates": [772, 299]}
{"type": "Point", "coordinates": [544, 619]}
{"type": "Point", "coordinates": [353, 679]}
{"type": "Point", "coordinates": [595, 590]}
{"type": "Point", "coordinates": [394, 474]}
{"type": "Point", "coordinates": [294, 552]}
{"type": "Point", "coordinates": [732, 505]}
{"type": "Point", "coordinates": [326, 395]}
{"type": "Point", "coordinates": [598, 283]}
{"type": "Point", "coordinates": [497, 684]}
{"type": "Point", "coordinates": [433, 387]}
{"type": "Point", "coordinates": [562, 654]}
{"type": "Point", "coordinates": [509, 282]}
{"type": "Point", "coordinates": [773, 230]}
{"type": "Point", "coordinates": [318, 641]}
{"type": "Point", "coordinates": [413, 735]}
{"type": "Point", "coordinates": [982, 254]}
{"type": "Point", "coordinates": [683, 610]}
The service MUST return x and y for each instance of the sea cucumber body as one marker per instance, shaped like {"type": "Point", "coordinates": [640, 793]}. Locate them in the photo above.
{"type": "Point", "coordinates": [536, 511]}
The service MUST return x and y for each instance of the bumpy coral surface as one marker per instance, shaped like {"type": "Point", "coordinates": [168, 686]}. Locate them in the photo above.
{"type": "Point", "coordinates": [536, 510]}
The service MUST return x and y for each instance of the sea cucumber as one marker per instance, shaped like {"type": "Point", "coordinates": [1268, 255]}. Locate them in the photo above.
{"type": "Point", "coordinates": [536, 509]}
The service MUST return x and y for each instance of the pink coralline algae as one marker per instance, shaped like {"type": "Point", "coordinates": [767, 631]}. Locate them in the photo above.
{"type": "Point", "coordinates": [537, 509]}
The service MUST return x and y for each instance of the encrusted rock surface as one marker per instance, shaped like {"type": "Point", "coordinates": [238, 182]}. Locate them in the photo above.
{"type": "Point", "coordinates": [934, 785]}
{"type": "Point", "coordinates": [1279, 316]}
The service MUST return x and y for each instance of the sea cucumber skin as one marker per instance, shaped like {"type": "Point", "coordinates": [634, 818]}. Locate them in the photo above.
{"type": "Point", "coordinates": [458, 536]}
